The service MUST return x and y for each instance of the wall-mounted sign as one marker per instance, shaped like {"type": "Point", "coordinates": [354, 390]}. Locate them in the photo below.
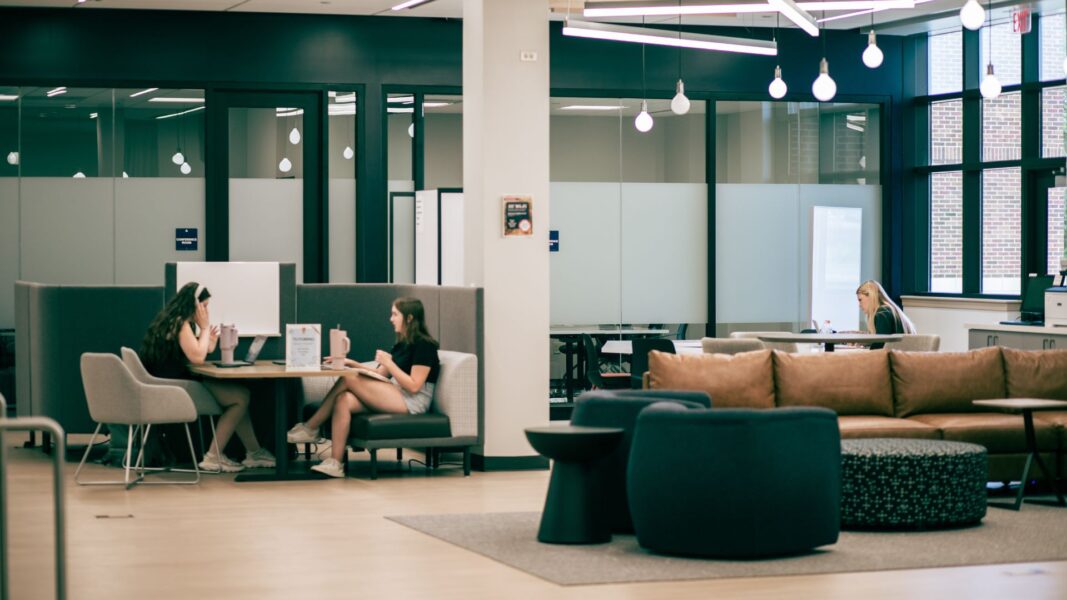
{"type": "Point", "coordinates": [1020, 19]}
{"type": "Point", "coordinates": [185, 239]}
{"type": "Point", "coordinates": [553, 240]}
{"type": "Point", "coordinates": [518, 215]}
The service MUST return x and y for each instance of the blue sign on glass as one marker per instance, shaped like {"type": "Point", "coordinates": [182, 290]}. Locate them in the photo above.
{"type": "Point", "coordinates": [185, 239]}
{"type": "Point", "coordinates": [553, 240]}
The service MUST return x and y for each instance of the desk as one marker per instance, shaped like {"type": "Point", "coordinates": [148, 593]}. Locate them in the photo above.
{"type": "Point", "coordinates": [571, 336]}
{"type": "Point", "coordinates": [1027, 406]}
{"type": "Point", "coordinates": [627, 347]}
{"type": "Point", "coordinates": [829, 340]}
{"type": "Point", "coordinates": [265, 369]}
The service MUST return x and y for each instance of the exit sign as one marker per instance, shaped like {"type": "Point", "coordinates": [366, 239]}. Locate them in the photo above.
{"type": "Point", "coordinates": [1020, 19]}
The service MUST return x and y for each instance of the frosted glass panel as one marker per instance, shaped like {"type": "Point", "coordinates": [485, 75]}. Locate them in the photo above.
{"type": "Point", "coordinates": [664, 252]}
{"type": "Point", "coordinates": [342, 230]}
{"type": "Point", "coordinates": [837, 249]}
{"type": "Point", "coordinates": [585, 273]}
{"type": "Point", "coordinates": [403, 238]}
{"type": "Point", "coordinates": [147, 211]}
{"type": "Point", "coordinates": [68, 230]}
{"type": "Point", "coordinates": [9, 249]}
{"type": "Point", "coordinates": [266, 217]}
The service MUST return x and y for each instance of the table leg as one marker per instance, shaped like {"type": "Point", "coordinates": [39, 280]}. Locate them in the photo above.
{"type": "Point", "coordinates": [1034, 455]}
{"type": "Point", "coordinates": [828, 346]}
{"type": "Point", "coordinates": [568, 380]}
{"type": "Point", "coordinates": [572, 513]}
{"type": "Point", "coordinates": [282, 470]}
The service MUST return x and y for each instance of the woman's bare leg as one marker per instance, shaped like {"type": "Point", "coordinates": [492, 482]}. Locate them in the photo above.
{"type": "Point", "coordinates": [345, 404]}
{"type": "Point", "coordinates": [326, 409]}
{"type": "Point", "coordinates": [362, 395]}
{"type": "Point", "coordinates": [234, 399]}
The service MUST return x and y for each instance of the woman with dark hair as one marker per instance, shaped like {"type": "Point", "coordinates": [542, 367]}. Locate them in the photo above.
{"type": "Point", "coordinates": [413, 366]}
{"type": "Point", "coordinates": [182, 333]}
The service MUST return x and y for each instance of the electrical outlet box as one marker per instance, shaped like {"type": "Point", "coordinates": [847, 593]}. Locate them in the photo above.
{"type": "Point", "coordinates": [528, 56]}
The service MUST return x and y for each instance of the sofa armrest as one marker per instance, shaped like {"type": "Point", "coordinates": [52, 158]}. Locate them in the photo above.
{"type": "Point", "coordinates": [456, 393]}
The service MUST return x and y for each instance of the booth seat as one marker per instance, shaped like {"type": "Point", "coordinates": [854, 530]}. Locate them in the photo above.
{"type": "Point", "coordinates": [893, 394]}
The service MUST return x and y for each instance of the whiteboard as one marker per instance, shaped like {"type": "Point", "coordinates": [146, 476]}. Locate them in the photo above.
{"type": "Point", "coordinates": [246, 294]}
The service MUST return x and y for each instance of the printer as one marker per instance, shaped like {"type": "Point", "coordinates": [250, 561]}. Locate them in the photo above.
{"type": "Point", "coordinates": [1056, 306]}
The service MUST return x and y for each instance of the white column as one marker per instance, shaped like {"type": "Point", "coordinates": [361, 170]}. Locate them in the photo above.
{"type": "Point", "coordinates": [505, 151]}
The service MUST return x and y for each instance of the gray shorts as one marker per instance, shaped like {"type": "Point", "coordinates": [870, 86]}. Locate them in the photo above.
{"type": "Point", "coordinates": [419, 402]}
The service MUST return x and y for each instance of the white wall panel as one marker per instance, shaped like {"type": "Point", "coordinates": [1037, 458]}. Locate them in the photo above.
{"type": "Point", "coordinates": [68, 230]}
{"type": "Point", "coordinates": [585, 275]}
{"type": "Point", "coordinates": [342, 230]}
{"type": "Point", "coordinates": [147, 211]}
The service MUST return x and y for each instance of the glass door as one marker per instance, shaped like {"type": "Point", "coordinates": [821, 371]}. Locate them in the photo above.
{"type": "Point", "coordinates": [265, 181]}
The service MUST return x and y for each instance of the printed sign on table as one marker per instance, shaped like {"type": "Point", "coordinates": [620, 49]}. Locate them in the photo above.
{"type": "Point", "coordinates": [303, 347]}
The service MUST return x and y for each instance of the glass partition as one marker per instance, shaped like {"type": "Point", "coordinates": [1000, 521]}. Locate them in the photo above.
{"type": "Point", "coordinates": [342, 157]}
{"type": "Point", "coordinates": [778, 165]}
{"type": "Point", "coordinates": [443, 141]}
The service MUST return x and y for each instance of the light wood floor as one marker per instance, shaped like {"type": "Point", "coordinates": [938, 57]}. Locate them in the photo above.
{"type": "Point", "coordinates": [328, 539]}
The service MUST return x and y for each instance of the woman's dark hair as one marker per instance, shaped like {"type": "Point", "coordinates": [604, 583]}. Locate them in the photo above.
{"type": "Point", "coordinates": [414, 317]}
{"type": "Point", "coordinates": [160, 341]}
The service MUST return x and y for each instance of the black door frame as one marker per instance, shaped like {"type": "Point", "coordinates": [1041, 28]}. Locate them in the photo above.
{"type": "Point", "coordinates": [217, 172]}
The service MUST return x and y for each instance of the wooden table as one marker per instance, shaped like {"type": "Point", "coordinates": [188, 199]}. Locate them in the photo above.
{"type": "Point", "coordinates": [627, 347]}
{"type": "Point", "coordinates": [279, 376]}
{"type": "Point", "coordinates": [831, 339]}
{"type": "Point", "coordinates": [571, 337]}
{"type": "Point", "coordinates": [1027, 406]}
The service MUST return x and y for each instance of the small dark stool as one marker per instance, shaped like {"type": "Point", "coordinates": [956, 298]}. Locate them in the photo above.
{"type": "Point", "coordinates": [572, 512]}
{"type": "Point", "coordinates": [912, 484]}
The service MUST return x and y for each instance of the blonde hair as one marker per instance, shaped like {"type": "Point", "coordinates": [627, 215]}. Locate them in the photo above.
{"type": "Point", "coordinates": [873, 288]}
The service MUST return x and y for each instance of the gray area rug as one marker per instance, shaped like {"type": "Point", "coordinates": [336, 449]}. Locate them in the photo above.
{"type": "Point", "coordinates": [1037, 533]}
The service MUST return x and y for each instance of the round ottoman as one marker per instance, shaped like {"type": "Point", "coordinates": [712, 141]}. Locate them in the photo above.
{"type": "Point", "coordinates": [908, 483]}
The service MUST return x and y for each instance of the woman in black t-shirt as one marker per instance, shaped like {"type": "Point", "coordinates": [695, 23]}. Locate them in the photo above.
{"type": "Point", "coordinates": [413, 367]}
{"type": "Point", "coordinates": [883, 315]}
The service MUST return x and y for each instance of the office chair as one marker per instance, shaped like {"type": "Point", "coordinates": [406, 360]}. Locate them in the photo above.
{"type": "Point", "coordinates": [682, 328]}
{"type": "Point", "coordinates": [639, 358]}
{"type": "Point", "coordinates": [593, 375]}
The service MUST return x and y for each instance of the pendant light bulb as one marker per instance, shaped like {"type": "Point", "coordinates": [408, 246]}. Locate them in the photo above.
{"type": "Point", "coordinates": [680, 104]}
{"type": "Point", "coordinates": [285, 165]}
{"type": "Point", "coordinates": [643, 122]}
{"type": "Point", "coordinates": [990, 86]}
{"type": "Point", "coordinates": [185, 168]}
{"type": "Point", "coordinates": [777, 88]}
{"type": "Point", "coordinates": [972, 15]}
{"type": "Point", "coordinates": [411, 131]}
{"type": "Point", "coordinates": [872, 56]}
{"type": "Point", "coordinates": [79, 175]}
{"type": "Point", "coordinates": [348, 153]}
{"type": "Point", "coordinates": [125, 175]}
{"type": "Point", "coordinates": [294, 136]}
{"type": "Point", "coordinates": [12, 158]}
{"type": "Point", "coordinates": [824, 87]}
{"type": "Point", "coordinates": [178, 157]}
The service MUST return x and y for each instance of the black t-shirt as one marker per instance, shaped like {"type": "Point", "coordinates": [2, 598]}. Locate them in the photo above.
{"type": "Point", "coordinates": [886, 321]}
{"type": "Point", "coordinates": [421, 352]}
{"type": "Point", "coordinates": [173, 363]}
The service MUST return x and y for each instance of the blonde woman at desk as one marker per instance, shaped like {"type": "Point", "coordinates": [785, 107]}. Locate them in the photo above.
{"type": "Point", "coordinates": [883, 315]}
{"type": "Point", "coordinates": [171, 342]}
{"type": "Point", "coordinates": [413, 367]}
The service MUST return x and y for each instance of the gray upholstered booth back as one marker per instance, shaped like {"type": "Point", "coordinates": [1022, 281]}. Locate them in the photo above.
{"type": "Point", "coordinates": [454, 316]}
{"type": "Point", "coordinates": [55, 324]}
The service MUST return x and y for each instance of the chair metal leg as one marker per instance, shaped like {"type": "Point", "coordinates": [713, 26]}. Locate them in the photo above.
{"type": "Point", "coordinates": [373, 463]}
{"type": "Point", "coordinates": [466, 461]}
{"type": "Point", "coordinates": [399, 455]}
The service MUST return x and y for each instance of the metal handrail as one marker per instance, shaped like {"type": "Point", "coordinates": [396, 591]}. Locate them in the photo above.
{"type": "Point", "coordinates": [42, 424]}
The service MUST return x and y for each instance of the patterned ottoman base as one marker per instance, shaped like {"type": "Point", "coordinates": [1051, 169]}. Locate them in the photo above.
{"type": "Point", "coordinates": [905, 483]}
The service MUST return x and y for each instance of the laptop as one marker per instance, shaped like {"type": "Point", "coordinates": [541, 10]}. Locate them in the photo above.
{"type": "Point", "coordinates": [253, 353]}
{"type": "Point", "coordinates": [1033, 308]}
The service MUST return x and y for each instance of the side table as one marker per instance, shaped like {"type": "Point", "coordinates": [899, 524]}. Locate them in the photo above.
{"type": "Point", "coordinates": [1027, 406]}
{"type": "Point", "coordinates": [572, 512]}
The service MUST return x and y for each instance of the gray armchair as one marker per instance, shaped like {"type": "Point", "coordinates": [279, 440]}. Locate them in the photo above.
{"type": "Point", "coordinates": [917, 342]}
{"type": "Point", "coordinates": [730, 345]}
{"type": "Point", "coordinates": [115, 396]}
{"type": "Point", "coordinates": [783, 346]}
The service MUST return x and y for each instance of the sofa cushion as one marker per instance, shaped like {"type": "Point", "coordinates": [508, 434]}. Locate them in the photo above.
{"type": "Point", "coordinates": [1035, 373]}
{"type": "Point", "coordinates": [861, 426]}
{"type": "Point", "coordinates": [399, 426]}
{"type": "Point", "coordinates": [848, 383]}
{"type": "Point", "coordinates": [945, 382]}
{"type": "Point", "coordinates": [1000, 433]}
{"type": "Point", "coordinates": [743, 380]}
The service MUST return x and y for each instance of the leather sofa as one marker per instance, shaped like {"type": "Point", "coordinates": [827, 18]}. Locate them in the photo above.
{"type": "Point", "coordinates": [895, 394]}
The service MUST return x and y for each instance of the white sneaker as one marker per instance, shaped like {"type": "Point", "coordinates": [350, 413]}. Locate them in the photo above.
{"type": "Point", "coordinates": [302, 434]}
{"type": "Point", "coordinates": [215, 462]}
{"type": "Point", "coordinates": [260, 458]}
{"type": "Point", "coordinates": [331, 467]}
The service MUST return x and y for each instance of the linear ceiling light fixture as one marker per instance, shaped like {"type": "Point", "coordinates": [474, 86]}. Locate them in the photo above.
{"type": "Point", "coordinates": [410, 4]}
{"type": "Point", "coordinates": [797, 15]}
{"type": "Point", "coordinates": [661, 37]}
{"type": "Point", "coordinates": [665, 8]}
{"type": "Point", "coordinates": [8, 97]}
{"type": "Point", "coordinates": [589, 107]}
{"type": "Point", "coordinates": [175, 100]}
{"type": "Point", "coordinates": [143, 92]}
{"type": "Point", "coordinates": [178, 114]}
{"type": "Point", "coordinates": [56, 91]}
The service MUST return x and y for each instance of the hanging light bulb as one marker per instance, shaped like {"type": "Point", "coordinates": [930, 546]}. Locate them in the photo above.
{"type": "Point", "coordinates": [178, 157]}
{"type": "Point", "coordinates": [824, 88]}
{"type": "Point", "coordinates": [285, 165]}
{"type": "Point", "coordinates": [79, 175]}
{"type": "Point", "coordinates": [643, 122]}
{"type": "Point", "coordinates": [294, 136]}
{"type": "Point", "coordinates": [185, 168]}
{"type": "Point", "coordinates": [777, 88]}
{"type": "Point", "coordinates": [990, 85]}
{"type": "Point", "coordinates": [348, 153]}
{"type": "Point", "coordinates": [680, 104]}
{"type": "Point", "coordinates": [872, 56]}
{"type": "Point", "coordinates": [12, 158]}
{"type": "Point", "coordinates": [411, 130]}
{"type": "Point", "coordinates": [125, 175]}
{"type": "Point", "coordinates": [972, 15]}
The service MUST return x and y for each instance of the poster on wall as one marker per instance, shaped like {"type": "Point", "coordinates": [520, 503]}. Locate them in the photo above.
{"type": "Point", "coordinates": [518, 216]}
